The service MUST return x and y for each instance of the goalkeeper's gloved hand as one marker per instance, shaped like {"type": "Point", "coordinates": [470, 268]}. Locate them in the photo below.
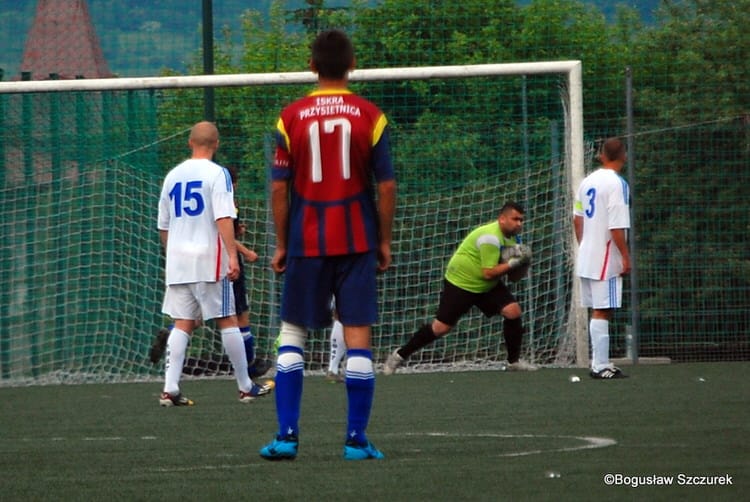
{"type": "Point", "coordinates": [522, 256]}
{"type": "Point", "coordinates": [517, 261]}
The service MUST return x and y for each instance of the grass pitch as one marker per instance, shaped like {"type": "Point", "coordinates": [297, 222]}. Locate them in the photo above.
{"type": "Point", "coordinates": [446, 436]}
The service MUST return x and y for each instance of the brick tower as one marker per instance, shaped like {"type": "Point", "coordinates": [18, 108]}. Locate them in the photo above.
{"type": "Point", "coordinates": [62, 41]}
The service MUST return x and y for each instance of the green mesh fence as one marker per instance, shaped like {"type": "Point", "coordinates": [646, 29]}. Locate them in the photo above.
{"type": "Point", "coordinates": [80, 262]}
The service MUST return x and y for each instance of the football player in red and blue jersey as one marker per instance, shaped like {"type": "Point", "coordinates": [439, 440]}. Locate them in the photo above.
{"type": "Point", "coordinates": [333, 196]}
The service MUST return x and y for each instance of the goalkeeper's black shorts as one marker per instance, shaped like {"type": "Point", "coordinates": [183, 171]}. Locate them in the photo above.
{"type": "Point", "coordinates": [455, 302]}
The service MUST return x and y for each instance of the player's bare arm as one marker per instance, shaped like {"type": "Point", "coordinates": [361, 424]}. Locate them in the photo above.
{"type": "Point", "coordinates": [498, 270]}
{"type": "Point", "coordinates": [578, 227]}
{"type": "Point", "coordinates": [386, 212]}
{"type": "Point", "coordinates": [226, 230]}
{"type": "Point", "coordinates": [618, 237]}
{"type": "Point", "coordinates": [280, 209]}
{"type": "Point", "coordinates": [246, 252]}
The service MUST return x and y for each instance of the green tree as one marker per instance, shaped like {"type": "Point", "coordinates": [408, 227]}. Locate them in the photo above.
{"type": "Point", "coordinates": [245, 116]}
{"type": "Point", "coordinates": [691, 90]}
{"type": "Point", "coordinates": [552, 30]}
{"type": "Point", "coordinates": [675, 59]}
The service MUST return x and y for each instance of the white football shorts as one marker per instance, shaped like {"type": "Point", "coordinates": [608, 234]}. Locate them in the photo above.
{"type": "Point", "coordinates": [601, 294]}
{"type": "Point", "coordinates": [200, 300]}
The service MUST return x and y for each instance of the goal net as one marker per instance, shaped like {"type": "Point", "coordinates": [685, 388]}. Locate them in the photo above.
{"type": "Point", "coordinates": [82, 163]}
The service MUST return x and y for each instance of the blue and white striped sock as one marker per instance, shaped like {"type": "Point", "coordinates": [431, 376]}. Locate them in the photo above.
{"type": "Point", "coordinates": [290, 367]}
{"type": "Point", "coordinates": [360, 390]}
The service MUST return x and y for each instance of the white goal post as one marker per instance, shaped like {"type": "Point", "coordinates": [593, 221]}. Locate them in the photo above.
{"type": "Point", "coordinates": [571, 344]}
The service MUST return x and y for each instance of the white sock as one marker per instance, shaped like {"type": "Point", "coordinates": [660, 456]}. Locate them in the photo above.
{"type": "Point", "coordinates": [599, 333]}
{"type": "Point", "coordinates": [177, 343]}
{"type": "Point", "coordinates": [338, 347]}
{"type": "Point", "coordinates": [234, 346]}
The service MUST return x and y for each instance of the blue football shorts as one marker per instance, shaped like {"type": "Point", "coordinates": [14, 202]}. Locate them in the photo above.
{"type": "Point", "coordinates": [310, 283]}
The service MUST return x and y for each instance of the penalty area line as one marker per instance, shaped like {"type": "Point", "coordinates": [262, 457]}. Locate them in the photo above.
{"type": "Point", "coordinates": [587, 442]}
{"type": "Point", "coordinates": [209, 467]}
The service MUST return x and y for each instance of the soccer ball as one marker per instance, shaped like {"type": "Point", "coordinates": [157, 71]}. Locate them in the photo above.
{"type": "Point", "coordinates": [519, 273]}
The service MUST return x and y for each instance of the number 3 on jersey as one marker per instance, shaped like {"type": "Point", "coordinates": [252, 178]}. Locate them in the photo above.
{"type": "Point", "coordinates": [330, 126]}
{"type": "Point", "coordinates": [591, 206]}
{"type": "Point", "coordinates": [191, 201]}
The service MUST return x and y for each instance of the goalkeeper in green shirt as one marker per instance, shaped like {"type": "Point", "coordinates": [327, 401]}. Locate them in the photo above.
{"type": "Point", "coordinates": [474, 277]}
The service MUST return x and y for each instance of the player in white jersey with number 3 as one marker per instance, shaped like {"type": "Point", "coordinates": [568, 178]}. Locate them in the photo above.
{"type": "Point", "coordinates": [601, 218]}
{"type": "Point", "coordinates": [196, 212]}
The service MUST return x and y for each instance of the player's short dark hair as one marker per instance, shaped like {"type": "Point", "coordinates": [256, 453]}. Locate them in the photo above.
{"type": "Point", "coordinates": [510, 205]}
{"type": "Point", "coordinates": [613, 149]}
{"type": "Point", "coordinates": [332, 54]}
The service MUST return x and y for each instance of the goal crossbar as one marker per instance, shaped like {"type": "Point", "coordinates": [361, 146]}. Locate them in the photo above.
{"type": "Point", "coordinates": [571, 68]}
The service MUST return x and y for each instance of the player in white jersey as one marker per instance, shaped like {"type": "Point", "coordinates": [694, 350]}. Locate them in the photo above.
{"type": "Point", "coordinates": [196, 212]}
{"type": "Point", "coordinates": [601, 217]}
